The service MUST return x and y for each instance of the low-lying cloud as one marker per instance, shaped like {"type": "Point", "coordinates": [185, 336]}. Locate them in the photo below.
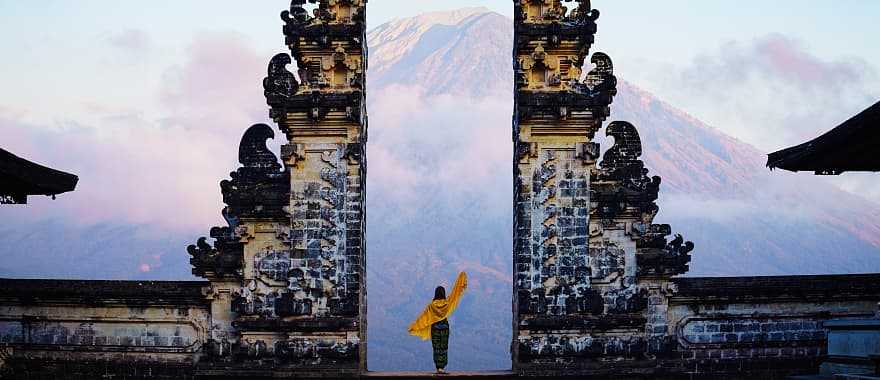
{"type": "Point", "coordinates": [152, 169]}
{"type": "Point", "coordinates": [458, 143]}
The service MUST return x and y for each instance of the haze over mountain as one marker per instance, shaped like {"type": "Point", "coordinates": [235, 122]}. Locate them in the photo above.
{"type": "Point", "coordinates": [440, 104]}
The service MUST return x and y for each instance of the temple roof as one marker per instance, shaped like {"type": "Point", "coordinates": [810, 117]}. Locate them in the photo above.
{"type": "Point", "coordinates": [20, 178]}
{"type": "Point", "coordinates": [851, 146]}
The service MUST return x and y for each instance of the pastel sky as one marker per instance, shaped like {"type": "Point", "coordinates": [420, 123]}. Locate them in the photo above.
{"type": "Point", "coordinates": [112, 53]}
{"type": "Point", "coordinates": [139, 84]}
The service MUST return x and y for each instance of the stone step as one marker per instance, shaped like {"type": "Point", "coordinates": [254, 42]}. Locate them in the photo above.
{"type": "Point", "coordinates": [835, 377]}
{"type": "Point", "coordinates": [403, 375]}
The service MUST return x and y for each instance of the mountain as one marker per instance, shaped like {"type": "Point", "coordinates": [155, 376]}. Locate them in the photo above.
{"type": "Point", "coordinates": [440, 195]}
{"type": "Point", "coordinates": [111, 251]}
{"type": "Point", "coordinates": [444, 52]}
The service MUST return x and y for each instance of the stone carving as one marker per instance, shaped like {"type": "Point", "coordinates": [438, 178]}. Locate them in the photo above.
{"type": "Point", "coordinates": [600, 84]}
{"type": "Point", "coordinates": [280, 85]}
{"type": "Point", "coordinates": [259, 189]}
{"type": "Point", "coordinates": [623, 183]}
{"type": "Point", "coordinates": [623, 188]}
{"type": "Point", "coordinates": [671, 259]}
{"type": "Point", "coordinates": [539, 70]}
{"type": "Point", "coordinates": [317, 351]}
{"type": "Point", "coordinates": [342, 11]}
{"type": "Point", "coordinates": [324, 239]}
{"type": "Point", "coordinates": [621, 161]}
{"type": "Point", "coordinates": [584, 13]}
{"type": "Point", "coordinates": [680, 247]}
{"type": "Point", "coordinates": [553, 274]}
{"type": "Point", "coordinates": [223, 259]}
{"type": "Point", "coordinates": [297, 14]}
{"type": "Point", "coordinates": [553, 11]}
{"type": "Point", "coordinates": [738, 331]}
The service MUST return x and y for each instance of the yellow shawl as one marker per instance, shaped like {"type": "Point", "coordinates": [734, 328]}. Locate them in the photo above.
{"type": "Point", "coordinates": [438, 310]}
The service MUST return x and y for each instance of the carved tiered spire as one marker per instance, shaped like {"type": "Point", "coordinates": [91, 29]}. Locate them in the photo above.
{"type": "Point", "coordinates": [583, 231]}
{"type": "Point", "coordinates": [291, 260]}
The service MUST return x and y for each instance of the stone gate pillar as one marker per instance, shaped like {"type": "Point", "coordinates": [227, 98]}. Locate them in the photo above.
{"type": "Point", "coordinates": [590, 269]}
{"type": "Point", "coordinates": [288, 272]}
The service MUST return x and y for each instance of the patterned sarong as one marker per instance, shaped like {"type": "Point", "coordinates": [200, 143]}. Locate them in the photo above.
{"type": "Point", "coordinates": [440, 343]}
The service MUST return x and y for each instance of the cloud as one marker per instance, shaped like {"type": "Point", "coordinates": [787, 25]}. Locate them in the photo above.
{"type": "Point", "coordinates": [153, 169]}
{"type": "Point", "coordinates": [164, 169]}
{"type": "Point", "coordinates": [771, 92]}
{"type": "Point", "coordinates": [218, 86]}
{"type": "Point", "coordinates": [133, 40]}
{"type": "Point", "coordinates": [778, 59]}
{"type": "Point", "coordinates": [458, 143]}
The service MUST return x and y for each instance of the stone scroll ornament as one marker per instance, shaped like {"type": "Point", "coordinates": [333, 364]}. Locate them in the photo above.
{"type": "Point", "coordinates": [632, 187]}
{"type": "Point", "coordinates": [601, 84]}
{"type": "Point", "coordinates": [260, 188]}
{"type": "Point", "coordinates": [279, 85]}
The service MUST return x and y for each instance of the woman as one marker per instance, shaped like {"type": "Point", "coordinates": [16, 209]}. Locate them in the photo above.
{"type": "Point", "coordinates": [433, 324]}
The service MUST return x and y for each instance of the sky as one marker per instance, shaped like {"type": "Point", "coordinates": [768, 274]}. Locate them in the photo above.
{"type": "Point", "coordinates": [117, 54]}
{"type": "Point", "coordinates": [140, 83]}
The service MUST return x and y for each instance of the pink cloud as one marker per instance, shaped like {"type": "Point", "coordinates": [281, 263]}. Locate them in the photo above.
{"type": "Point", "coordinates": [154, 170]}
{"type": "Point", "coordinates": [772, 91]}
{"type": "Point", "coordinates": [219, 86]}
{"type": "Point", "coordinates": [788, 58]}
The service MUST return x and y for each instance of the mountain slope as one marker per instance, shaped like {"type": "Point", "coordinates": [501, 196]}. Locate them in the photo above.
{"type": "Point", "coordinates": [443, 53]}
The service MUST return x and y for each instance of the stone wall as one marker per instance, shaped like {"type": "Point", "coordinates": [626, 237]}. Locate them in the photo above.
{"type": "Point", "coordinates": [92, 329]}
{"type": "Point", "coordinates": [767, 325]}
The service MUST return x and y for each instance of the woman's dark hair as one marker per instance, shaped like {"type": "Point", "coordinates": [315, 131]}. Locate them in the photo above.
{"type": "Point", "coordinates": [440, 293]}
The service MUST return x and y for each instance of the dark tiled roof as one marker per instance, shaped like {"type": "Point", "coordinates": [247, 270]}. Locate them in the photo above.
{"type": "Point", "coordinates": [851, 146]}
{"type": "Point", "coordinates": [20, 178]}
